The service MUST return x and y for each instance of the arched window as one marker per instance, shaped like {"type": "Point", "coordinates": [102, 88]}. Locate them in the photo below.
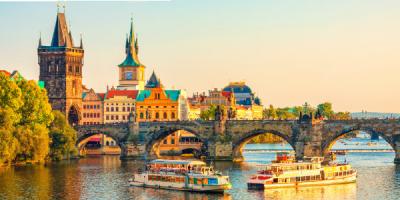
{"type": "Point", "coordinates": [141, 115]}
{"type": "Point", "coordinates": [107, 143]}
{"type": "Point", "coordinates": [173, 115]}
{"type": "Point", "coordinates": [157, 115]}
{"type": "Point", "coordinates": [165, 115]}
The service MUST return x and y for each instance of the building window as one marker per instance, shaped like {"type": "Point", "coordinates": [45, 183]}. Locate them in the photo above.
{"type": "Point", "coordinates": [172, 141]}
{"type": "Point", "coordinates": [165, 115]}
{"type": "Point", "coordinates": [112, 109]}
{"type": "Point", "coordinates": [98, 115]}
{"type": "Point", "coordinates": [123, 109]}
{"type": "Point", "coordinates": [127, 109]}
{"type": "Point", "coordinates": [117, 117]}
{"type": "Point", "coordinates": [123, 117]}
{"type": "Point", "coordinates": [165, 141]}
{"type": "Point", "coordinates": [107, 109]}
{"type": "Point", "coordinates": [141, 115]}
{"type": "Point", "coordinates": [70, 69]}
{"type": "Point", "coordinates": [77, 69]}
{"type": "Point", "coordinates": [116, 109]}
{"type": "Point", "coordinates": [173, 115]}
{"type": "Point", "coordinates": [112, 117]}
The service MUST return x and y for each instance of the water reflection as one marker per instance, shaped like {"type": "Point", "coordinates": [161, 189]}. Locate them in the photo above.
{"type": "Point", "coordinates": [106, 177]}
{"type": "Point", "coordinates": [339, 192]}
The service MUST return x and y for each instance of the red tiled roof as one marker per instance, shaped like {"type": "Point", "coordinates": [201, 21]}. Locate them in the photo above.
{"type": "Point", "coordinates": [129, 93]}
{"type": "Point", "coordinates": [5, 72]}
{"type": "Point", "coordinates": [226, 94]}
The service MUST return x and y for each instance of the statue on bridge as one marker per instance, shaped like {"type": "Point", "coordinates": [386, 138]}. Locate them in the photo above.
{"type": "Point", "coordinates": [132, 117]}
{"type": "Point", "coordinates": [147, 114]}
{"type": "Point", "coordinates": [219, 113]}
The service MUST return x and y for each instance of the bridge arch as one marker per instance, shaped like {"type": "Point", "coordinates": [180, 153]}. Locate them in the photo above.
{"type": "Point", "coordinates": [153, 143]}
{"type": "Point", "coordinates": [331, 140]}
{"type": "Point", "coordinates": [238, 145]}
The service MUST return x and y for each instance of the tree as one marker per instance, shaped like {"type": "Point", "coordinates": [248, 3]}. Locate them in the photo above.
{"type": "Point", "coordinates": [208, 114]}
{"type": "Point", "coordinates": [25, 115]}
{"type": "Point", "coordinates": [62, 138]}
{"type": "Point", "coordinates": [342, 116]}
{"type": "Point", "coordinates": [284, 113]}
{"type": "Point", "coordinates": [326, 110]}
{"type": "Point", "coordinates": [270, 113]}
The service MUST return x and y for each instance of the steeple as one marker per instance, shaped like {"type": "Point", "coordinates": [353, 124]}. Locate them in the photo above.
{"type": "Point", "coordinates": [81, 45]}
{"type": "Point", "coordinates": [131, 50]}
{"type": "Point", "coordinates": [127, 44]}
{"type": "Point", "coordinates": [153, 82]}
{"type": "Point", "coordinates": [137, 45]}
{"type": "Point", "coordinates": [61, 36]}
{"type": "Point", "coordinates": [40, 39]}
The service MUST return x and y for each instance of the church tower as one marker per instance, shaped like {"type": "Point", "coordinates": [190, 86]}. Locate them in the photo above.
{"type": "Point", "coordinates": [131, 71]}
{"type": "Point", "coordinates": [61, 71]}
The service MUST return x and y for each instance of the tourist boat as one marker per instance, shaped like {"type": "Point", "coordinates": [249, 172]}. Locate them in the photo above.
{"type": "Point", "coordinates": [309, 172]}
{"type": "Point", "coordinates": [188, 175]}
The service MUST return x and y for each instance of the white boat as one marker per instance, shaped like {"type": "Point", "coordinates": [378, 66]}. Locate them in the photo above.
{"type": "Point", "coordinates": [187, 175]}
{"type": "Point", "coordinates": [310, 172]}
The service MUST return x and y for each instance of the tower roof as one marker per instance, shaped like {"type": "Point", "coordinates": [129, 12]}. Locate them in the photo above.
{"type": "Point", "coordinates": [131, 46]}
{"type": "Point", "coordinates": [153, 82]}
{"type": "Point", "coordinates": [61, 36]}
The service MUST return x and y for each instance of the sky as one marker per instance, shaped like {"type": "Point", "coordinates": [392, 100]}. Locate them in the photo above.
{"type": "Point", "coordinates": [289, 52]}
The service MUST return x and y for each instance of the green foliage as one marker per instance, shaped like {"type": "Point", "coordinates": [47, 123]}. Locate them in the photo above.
{"type": "Point", "coordinates": [290, 113]}
{"type": "Point", "coordinates": [208, 114]}
{"type": "Point", "coordinates": [270, 113]}
{"type": "Point", "coordinates": [266, 138]}
{"type": "Point", "coordinates": [285, 113]}
{"type": "Point", "coordinates": [342, 116]}
{"type": "Point", "coordinates": [326, 110]}
{"type": "Point", "coordinates": [63, 138]}
{"type": "Point", "coordinates": [25, 117]}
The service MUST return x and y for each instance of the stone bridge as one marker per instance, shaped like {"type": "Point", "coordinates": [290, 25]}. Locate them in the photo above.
{"type": "Point", "coordinates": [224, 140]}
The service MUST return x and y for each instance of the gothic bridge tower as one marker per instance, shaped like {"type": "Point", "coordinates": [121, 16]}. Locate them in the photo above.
{"type": "Point", "coordinates": [61, 71]}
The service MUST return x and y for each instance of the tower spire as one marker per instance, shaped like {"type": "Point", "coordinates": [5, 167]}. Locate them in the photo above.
{"type": "Point", "coordinates": [81, 45]}
{"type": "Point", "coordinates": [61, 35]}
{"type": "Point", "coordinates": [131, 49]}
{"type": "Point", "coordinates": [40, 39]}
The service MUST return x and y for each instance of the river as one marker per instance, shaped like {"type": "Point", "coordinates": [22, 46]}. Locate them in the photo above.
{"type": "Point", "coordinates": [106, 177]}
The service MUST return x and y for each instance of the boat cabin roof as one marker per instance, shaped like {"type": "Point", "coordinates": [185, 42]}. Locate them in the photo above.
{"type": "Point", "coordinates": [177, 162]}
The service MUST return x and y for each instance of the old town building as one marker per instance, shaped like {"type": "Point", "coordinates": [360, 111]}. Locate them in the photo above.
{"type": "Point", "coordinates": [118, 105]}
{"type": "Point", "coordinates": [215, 97]}
{"type": "Point", "coordinates": [92, 104]}
{"type": "Point", "coordinates": [157, 104]}
{"type": "Point", "coordinates": [236, 98]}
{"type": "Point", "coordinates": [61, 71]}
{"type": "Point", "coordinates": [131, 71]}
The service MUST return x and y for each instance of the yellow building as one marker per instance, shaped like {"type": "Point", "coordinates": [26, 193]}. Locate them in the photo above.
{"type": "Point", "coordinates": [118, 104]}
{"type": "Point", "coordinates": [157, 104]}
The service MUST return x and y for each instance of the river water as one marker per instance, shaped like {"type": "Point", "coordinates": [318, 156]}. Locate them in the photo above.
{"type": "Point", "coordinates": [106, 177]}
